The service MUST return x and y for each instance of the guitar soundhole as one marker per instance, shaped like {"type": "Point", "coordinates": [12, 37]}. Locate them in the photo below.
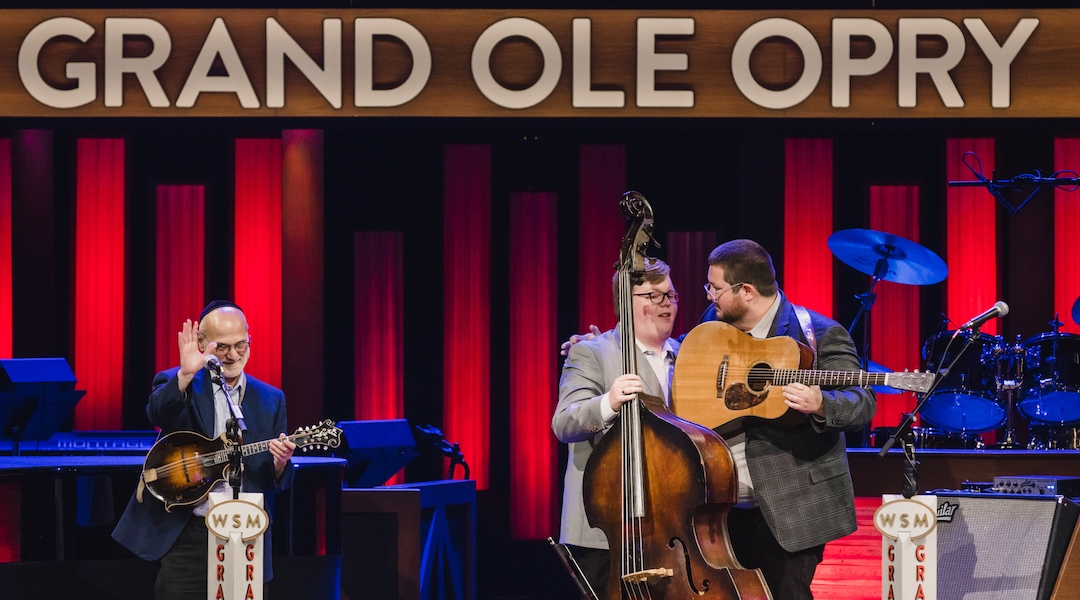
{"type": "Point", "coordinates": [760, 377]}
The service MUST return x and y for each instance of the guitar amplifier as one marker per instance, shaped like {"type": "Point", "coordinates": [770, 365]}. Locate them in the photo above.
{"type": "Point", "coordinates": [1038, 485]}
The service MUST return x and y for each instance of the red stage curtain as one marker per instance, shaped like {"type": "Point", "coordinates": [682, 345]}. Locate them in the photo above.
{"type": "Point", "coordinates": [602, 182]}
{"type": "Point", "coordinates": [688, 256]}
{"type": "Point", "coordinates": [379, 327]}
{"type": "Point", "coordinates": [99, 281]}
{"type": "Point", "coordinates": [808, 223]}
{"type": "Point", "coordinates": [10, 521]}
{"type": "Point", "coordinates": [302, 273]}
{"type": "Point", "coordinates": [1066, 241]}
{"type": "Point", "coordinates": [180, 250]}
{"type": "Point", "coordinates": [467, 304]}
{"type": "Point", "coordinates": [257, 252]}
{"type": "Point", "coordinates": [533, 366]}
{"type": "Point", "coordinates": [971, 240]}
{"type": "Point", "coordinates": [6, 322]}
{"type": "Point", "coordinates": [894, 342]}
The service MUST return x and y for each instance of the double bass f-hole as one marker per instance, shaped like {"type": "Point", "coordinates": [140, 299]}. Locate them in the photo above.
{"type": "Point", "coordinates": [658, 486]}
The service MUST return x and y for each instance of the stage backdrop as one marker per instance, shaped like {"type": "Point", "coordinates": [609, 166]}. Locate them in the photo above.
{"type": "Point", "coordinates": [543, 63]}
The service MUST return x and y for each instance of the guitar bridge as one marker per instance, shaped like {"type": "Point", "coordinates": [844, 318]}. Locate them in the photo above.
{"type": "Point", "coordinates": [149, 475]}
{"type": "Point", "coordinates": [721, 376]}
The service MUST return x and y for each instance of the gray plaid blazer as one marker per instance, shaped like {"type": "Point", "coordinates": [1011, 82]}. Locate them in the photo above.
{"type": "Point", "coordinates": [801, 478]}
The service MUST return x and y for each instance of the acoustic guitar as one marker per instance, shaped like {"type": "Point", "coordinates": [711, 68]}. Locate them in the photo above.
{"type": "Point", "coordinates": [183, 466]}
{"type": "Point", "coordinates": [728, 381]}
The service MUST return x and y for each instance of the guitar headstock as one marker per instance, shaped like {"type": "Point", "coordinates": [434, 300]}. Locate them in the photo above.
{"type": "Point", "coordinates": [912, 382]}
{"type": "Point", "coordinates": [322, 436]}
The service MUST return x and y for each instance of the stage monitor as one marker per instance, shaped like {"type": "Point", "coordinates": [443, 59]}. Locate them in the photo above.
{"type": "Point", "coordinates": [36, 396]}
{"type": "Point", "coordinates": [376, 450]}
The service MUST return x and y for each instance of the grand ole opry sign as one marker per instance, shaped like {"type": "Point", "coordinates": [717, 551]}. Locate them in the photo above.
{"type": "Point", "coordinates": [539, 63]}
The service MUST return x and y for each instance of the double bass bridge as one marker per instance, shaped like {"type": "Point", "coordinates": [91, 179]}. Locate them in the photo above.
{"type": "Point", "coordinates": [647, 575]}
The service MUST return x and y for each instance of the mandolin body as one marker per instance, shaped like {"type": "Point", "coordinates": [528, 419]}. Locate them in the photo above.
{"type": "Point", "coordinates": [188, 467]}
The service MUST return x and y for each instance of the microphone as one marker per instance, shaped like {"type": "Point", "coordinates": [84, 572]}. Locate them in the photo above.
{"type": "Point", "coordinates": [213, 365]}
{"type": "Point", "coordinates": [999, 309]}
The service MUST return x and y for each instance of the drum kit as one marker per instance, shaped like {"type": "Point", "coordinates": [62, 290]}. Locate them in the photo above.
{"type": "Point", "coordinates": [984, 377]}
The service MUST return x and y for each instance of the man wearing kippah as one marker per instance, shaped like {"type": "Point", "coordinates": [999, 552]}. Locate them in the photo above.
{"type": "Point", "coordinates": [186, 398]}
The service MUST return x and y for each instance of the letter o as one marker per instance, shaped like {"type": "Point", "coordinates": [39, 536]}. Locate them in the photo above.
{"type": "Point", "coordinates": [481, 63]}
{"type": "Point", "coordinates": [754, 35]}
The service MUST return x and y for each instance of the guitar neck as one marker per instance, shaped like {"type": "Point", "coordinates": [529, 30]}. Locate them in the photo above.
{"type": "Point", "coordinates": [828, 378]}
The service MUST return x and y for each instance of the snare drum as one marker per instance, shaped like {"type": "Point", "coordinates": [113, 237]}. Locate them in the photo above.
{"type": "Point", "coordinates": [1053, 379]}
{"type": "Point", "coordinates": [966, 400]}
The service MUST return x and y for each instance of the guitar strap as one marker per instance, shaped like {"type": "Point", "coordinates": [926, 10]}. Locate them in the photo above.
{"type": "Point", "coordinates": [807, 328]}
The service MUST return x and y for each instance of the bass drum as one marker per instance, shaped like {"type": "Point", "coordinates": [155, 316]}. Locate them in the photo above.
{"type": "Point", "coordinates": [966, 399]}
{"type": "Point", "coordinates": [1053, 379]}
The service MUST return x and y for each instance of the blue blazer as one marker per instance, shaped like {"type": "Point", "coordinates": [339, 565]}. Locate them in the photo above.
{"type": "Point", "coordinates": [145, 528]}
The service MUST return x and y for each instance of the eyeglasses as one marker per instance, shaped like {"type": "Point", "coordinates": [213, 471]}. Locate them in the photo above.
{"type": "Point", "coordinates": [223, 349]}
{"type": "Point", "coordinates": [658, 297]}
{"type": "Point", "coordinates": [715, 293]}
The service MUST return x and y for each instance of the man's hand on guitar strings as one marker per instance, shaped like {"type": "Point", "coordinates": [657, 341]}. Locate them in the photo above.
{"type": "Point", "coordinates": [805, 399]}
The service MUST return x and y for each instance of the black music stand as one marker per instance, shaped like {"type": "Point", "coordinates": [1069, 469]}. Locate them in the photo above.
{"type": "Point", "coordinates": [36, 396]}
{"type": "Point", "coordinates": [376, 450]}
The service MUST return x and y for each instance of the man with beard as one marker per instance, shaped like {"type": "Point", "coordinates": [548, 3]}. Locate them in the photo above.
{"type": "Point", "coordinates": [593, 388]}
{"type": "Point", "coordinates": [795, 490]}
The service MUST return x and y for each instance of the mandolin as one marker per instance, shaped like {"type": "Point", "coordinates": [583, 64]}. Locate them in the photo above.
{"type": "Point", "coordinates": [183, 466]}
{"type": "Point", "coordinates": [727, 380]}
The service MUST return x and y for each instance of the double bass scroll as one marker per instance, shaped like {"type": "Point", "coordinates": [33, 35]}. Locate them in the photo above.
{"type": "Point", "coordinates": [658, 486]}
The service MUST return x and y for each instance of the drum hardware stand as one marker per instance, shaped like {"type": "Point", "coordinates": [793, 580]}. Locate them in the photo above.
{"type": "Point", "coordinates": [1009, 388]}
{"type": "Point", "coordinates": [1055, 324]}
{"type": "Point", "coordinates": [866, 302]}
{"type": "Point", "coordinates": [903, 432]}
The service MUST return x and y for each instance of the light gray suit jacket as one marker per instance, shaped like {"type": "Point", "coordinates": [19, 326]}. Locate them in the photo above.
{"type": "Point", "coordinates": [588, 373]}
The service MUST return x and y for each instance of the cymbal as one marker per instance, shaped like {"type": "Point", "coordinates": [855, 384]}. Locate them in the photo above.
{"type": "Point", "coordinates": [906, 261]}
{"type": "Point", "coordinates": [1076, 312]}
{"type": "Point", "coordinates": [873, 367]}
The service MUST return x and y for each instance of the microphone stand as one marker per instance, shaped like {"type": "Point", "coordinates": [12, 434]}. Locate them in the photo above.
{"type": "Point", "coordinates": [911, 475]}
{"type": "Point", "coordinates": [235, 428]}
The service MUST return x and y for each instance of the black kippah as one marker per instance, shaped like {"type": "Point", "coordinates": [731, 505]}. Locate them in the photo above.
{"type": "Point", "coordinates": [216, 304]}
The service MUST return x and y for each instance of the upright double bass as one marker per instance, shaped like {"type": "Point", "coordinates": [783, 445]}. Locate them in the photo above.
{"type": "Point", "coordinates": [658, 486]}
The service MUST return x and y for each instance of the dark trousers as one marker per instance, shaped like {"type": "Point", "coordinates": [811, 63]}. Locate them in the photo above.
{"type": "Point", "coordinates": [182, 575]}
{"type": "Point", "coordinates": [788, 573]}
